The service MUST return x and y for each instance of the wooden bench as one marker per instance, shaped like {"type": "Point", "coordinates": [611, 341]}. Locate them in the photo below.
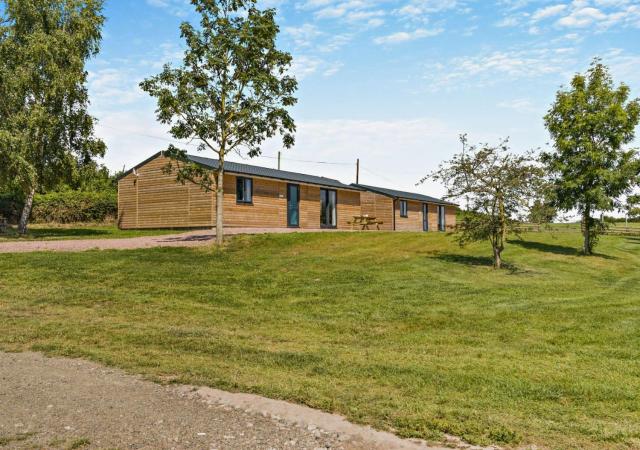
{"type": "Point", "coordinates": [364, 222]}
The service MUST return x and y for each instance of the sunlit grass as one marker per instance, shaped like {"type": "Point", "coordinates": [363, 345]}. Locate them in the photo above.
{"type": "Point", "coordinates": [403, 331]}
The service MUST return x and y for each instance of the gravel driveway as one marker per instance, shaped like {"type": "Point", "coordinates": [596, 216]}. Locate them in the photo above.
{"type": "Point", "coordinates": [67, 403]}
{"type": "Point", "coordinates": [186, 239]}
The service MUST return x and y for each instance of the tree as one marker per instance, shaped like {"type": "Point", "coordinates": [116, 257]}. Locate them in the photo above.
{"type": "Point", "coordinates": [498, 186]}
{"type": "Point", "coordinates": [589, 124]}
{"type": "Point", "coordinates": [45, 130]}
{"type": "Point", "coordinates": [633, 206]}
{"type": "Point", "coordinates": [231, 92]}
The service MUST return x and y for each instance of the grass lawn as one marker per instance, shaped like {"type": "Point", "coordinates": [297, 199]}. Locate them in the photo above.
{"type": "Point", "coordinates": [405, 331]}
{"type": "Point", "coordinates": [79, 231]}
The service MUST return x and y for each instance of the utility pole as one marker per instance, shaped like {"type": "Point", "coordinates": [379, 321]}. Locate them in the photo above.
{"type": "Point", "coordinates": [358, 171]}
{"type": "Point", "coordinates": [278, 160]}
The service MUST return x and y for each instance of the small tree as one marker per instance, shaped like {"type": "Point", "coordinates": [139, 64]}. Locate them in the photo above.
{"type": "Point", "coordinates": [231, 93]}
{"type": "Point", "coordinates": [498, 186]}
{"type": "Point", "coordinates": [46, 133]}
{"type": "Point", "coordinates": [589, 123]}
{"type": "Point", "coordinates": [633, 207]}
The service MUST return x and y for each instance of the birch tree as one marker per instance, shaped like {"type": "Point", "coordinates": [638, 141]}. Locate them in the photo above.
{"type": "Point", "coordinates": [230, 94]}
{"type": "Point", "coordinates": [46, 133]}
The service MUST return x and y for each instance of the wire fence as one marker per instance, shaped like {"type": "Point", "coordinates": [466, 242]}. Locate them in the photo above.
{"type": "Point", "coordinates": [613, 229]}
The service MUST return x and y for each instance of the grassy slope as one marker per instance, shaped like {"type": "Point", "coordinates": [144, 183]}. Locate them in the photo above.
{"type": "Point", "coordinates": [402, 331]}
{"type": "Point", "coordinates": [80, 231]}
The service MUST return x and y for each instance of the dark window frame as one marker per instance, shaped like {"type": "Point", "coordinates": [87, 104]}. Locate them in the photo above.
{"type": "Point", "coordinates": [331, 227]}
{"type": "Point", "coordinates": [442, 214]}
{"type": "Point", "coordinates": [242, 201]}
{"type": "Point", "coordinates": [297, 186]}
{"type": "Point", "coordinates": [425, 217]}
{"type": "Point", "coordinates": [406, 208]}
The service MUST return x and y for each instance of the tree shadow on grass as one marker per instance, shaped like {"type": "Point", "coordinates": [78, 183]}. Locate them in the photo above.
{"type": "Point", "coordinates": [554, 248]}
{"type": "Point", "coordinates": [468, 260]}
{"type": "Point", "coordinates": [543, 247]}
{"type": "Point", "coordinates": [48, 233]}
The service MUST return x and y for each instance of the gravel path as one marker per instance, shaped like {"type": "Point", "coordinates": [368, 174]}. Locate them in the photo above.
{"type": "Point", "coordinates": [187, 239]}
{"type": "Point", "coordinates": [67, 403]}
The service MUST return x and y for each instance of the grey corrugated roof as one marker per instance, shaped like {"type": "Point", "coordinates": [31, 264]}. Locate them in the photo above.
{"type": "Point", "coordinates": [257, 171]}
{"type": "Point", "coordinates": [403, 195]}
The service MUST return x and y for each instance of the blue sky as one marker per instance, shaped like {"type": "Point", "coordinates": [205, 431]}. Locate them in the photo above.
{"type": "Point", "coordinates": [392, 82]}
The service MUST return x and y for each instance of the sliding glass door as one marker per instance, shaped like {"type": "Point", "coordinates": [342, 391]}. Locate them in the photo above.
{"type": "Point", "coordinates": [441, 218]}
{"type": "Point", "coordinates": [328, 213]}
{"type": "Point", "coordinates": [425, 217]}
{"type": "Point", "coordinates": [293, 205]}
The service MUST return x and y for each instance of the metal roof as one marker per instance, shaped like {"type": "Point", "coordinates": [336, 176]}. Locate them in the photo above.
{"type": "Point", "coordinates": [265, 172]}
{"type": "Point", "coordinates": [403, 195]}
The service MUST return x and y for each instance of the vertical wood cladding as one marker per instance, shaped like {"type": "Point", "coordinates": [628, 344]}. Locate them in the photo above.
{"type": "Point", "coordinates": [378, 206]}
{"type": "Point", "coordinates": [152, 199]}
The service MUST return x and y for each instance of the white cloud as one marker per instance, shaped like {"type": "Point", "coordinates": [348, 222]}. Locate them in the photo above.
{"type": "Point", "coordinates": [111, 87]}
{"type": "Point", "coordinates": [405, 36]}
{"type": "Point", "coordinates": [582, 17]}
{"type": "Point", "coordinates": [520, 105]}
{"type": "Point", "coordinates": [549, 11]}
{"type": "Point", "coordinates": [179, 8]}
{"type": "Point", "coordinates": [493, 67]}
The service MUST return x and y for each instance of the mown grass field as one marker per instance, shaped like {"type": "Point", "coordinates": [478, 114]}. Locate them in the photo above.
{"type": "Point", "coordinates": [79, 231]}
{"type": "Point", "coordinates": [406, 332]}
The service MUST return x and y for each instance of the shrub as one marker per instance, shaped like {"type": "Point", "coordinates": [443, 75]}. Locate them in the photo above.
{"type": "Point", "coordinates": [75, 206]}
{"type": "Point", "coordinates": [64, 206]}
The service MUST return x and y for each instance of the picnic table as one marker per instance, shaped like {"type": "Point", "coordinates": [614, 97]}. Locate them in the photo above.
{"type": "Point", "coordinates": [364, 222]}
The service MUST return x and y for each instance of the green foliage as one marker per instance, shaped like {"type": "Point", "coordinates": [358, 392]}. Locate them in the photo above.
{"type": "Point", "coordinates": [46, 132]}
{"type": "Point", "coordinates": [542, 211]}
{"type": "Point", "coordinates": [231, 92]}
{"type": "Point", "coordinates": [590, 122]}
{"type": "Point", "coordinates": [633, 207]}
{"type": "Point", "coordinates": [64, 206]}
{"type": "Point", "coordinates": [497, 186]}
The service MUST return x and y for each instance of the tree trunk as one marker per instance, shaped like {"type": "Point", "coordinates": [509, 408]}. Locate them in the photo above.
{"type": "Point", "coordinates": [26, 212]}
{"type": "Point", "coordinates": [219, 205]}
{"type": "Point", "coordinates": [586, 232]}
{"type": "Point", "coordinates": [497, 258]}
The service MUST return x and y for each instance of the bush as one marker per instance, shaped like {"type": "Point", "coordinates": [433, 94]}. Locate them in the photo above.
{"type": "Point", "coordinates": [75, 206]}
{"type": "Point", "coordinates": [64, 207]}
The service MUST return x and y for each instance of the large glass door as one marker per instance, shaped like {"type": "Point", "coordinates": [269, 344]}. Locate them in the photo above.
{"type": "Point", "coordinates": [328, 213]}
{"type": "Point", "coordinates": [425, 217]}
{"type": "Point", "coordinates": [441, 218]}
{"type": "Point", "coordinates": [293, 205]}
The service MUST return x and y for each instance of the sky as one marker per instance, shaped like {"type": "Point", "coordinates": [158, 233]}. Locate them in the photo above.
{"type": "Point", "coordinates": [391, 82]}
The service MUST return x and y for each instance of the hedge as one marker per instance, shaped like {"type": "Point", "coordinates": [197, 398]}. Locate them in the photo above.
{"type": "Point", "coordinates": [64, 207]}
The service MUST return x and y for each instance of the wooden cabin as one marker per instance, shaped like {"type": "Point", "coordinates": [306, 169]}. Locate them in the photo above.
{"type": "Point", "coordinates": [407, 211]}
{"type": "Point", "coordinates": [260, 197]}
{"type": "Point", "coordinates": [254, 197]}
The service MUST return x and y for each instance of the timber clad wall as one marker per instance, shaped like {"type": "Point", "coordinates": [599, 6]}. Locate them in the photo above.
{"type": "Point", "coordinates": [413, 221]}
{"type": "Point", "coordinates": [153, 199]}
{"type": "Point", "coordinates": [150, 198]}
{"type": "Point", "coordinates": [378, 206]}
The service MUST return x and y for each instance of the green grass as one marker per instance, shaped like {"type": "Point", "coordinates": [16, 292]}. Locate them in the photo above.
{"type": "Point", "coordinates": [79, 231]}
{"type": "Point", "coordinates": [406, 332]}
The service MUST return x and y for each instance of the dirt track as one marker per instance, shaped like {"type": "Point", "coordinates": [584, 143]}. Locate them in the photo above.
{"type": "Point", "coordinates": [67, 403]}
{"type": "Point", "coordinates": [187, 239]}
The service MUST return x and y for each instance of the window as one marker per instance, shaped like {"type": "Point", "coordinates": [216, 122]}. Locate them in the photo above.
{"type": "Point", "coordinates": [328, 213]}
{"type": "Point", "coordinates": [441, 218]}
{"type": "Point", "coordinates": [403, 209]}
{"type": "Point", "coordinates": [244, 190]}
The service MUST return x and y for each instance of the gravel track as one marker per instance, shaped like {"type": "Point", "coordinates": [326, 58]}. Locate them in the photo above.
{"type": "Point", "coordinates": [187, 239]}
{"type": "Point", "coordinates": [66, 403]}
